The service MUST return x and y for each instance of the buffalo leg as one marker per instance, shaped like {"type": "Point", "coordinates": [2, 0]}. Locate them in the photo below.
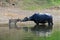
{"type": "Point", "coordinates": [50, 23]}
{"type": "Point", "coordinates": [37, 23]}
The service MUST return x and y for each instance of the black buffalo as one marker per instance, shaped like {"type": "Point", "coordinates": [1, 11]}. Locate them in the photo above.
{"type": "Point", "coordinates": [40, 18]}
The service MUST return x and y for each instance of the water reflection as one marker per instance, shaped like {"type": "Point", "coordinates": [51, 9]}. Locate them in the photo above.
{"type": "Point", "coordinates": [40, 30]}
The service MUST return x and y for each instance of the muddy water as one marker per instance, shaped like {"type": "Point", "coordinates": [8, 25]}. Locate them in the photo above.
{"type": "Point", "coordinates": [37, 30]}
{"type": "Point", "coordinates": [27, 31]}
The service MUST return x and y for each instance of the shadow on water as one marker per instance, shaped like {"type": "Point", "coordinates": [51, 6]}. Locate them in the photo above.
{"type": "Point", "coordinates": [39, 30]}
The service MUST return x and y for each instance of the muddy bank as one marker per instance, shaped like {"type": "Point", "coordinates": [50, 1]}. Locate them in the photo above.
{"type": "Point", "coordinates": [11, 13]}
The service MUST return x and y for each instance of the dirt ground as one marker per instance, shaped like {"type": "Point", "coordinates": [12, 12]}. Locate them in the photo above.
{"type": "Point", "coordinates": [7, 13]}
{"type": "Point", "coordinates": [11, 13]}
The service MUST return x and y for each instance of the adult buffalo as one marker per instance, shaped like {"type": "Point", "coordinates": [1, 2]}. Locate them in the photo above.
{"type": "Point", "coordinates": [40, 18]}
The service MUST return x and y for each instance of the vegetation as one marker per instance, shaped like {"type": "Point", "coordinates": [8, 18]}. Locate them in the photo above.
{"type": "Point", "coordinates": [33, 4]}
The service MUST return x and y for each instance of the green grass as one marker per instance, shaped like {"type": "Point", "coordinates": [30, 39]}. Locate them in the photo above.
{"type": "Point", "coordinates": [39, 4]}
{"type": "Point", "coordinates": [33, 4]}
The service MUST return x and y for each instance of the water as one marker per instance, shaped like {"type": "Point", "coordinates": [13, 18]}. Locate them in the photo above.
{"type": "Point", "coordinates": [39, 30]}
{"type": "Point", "coordinates": [30, 32]}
